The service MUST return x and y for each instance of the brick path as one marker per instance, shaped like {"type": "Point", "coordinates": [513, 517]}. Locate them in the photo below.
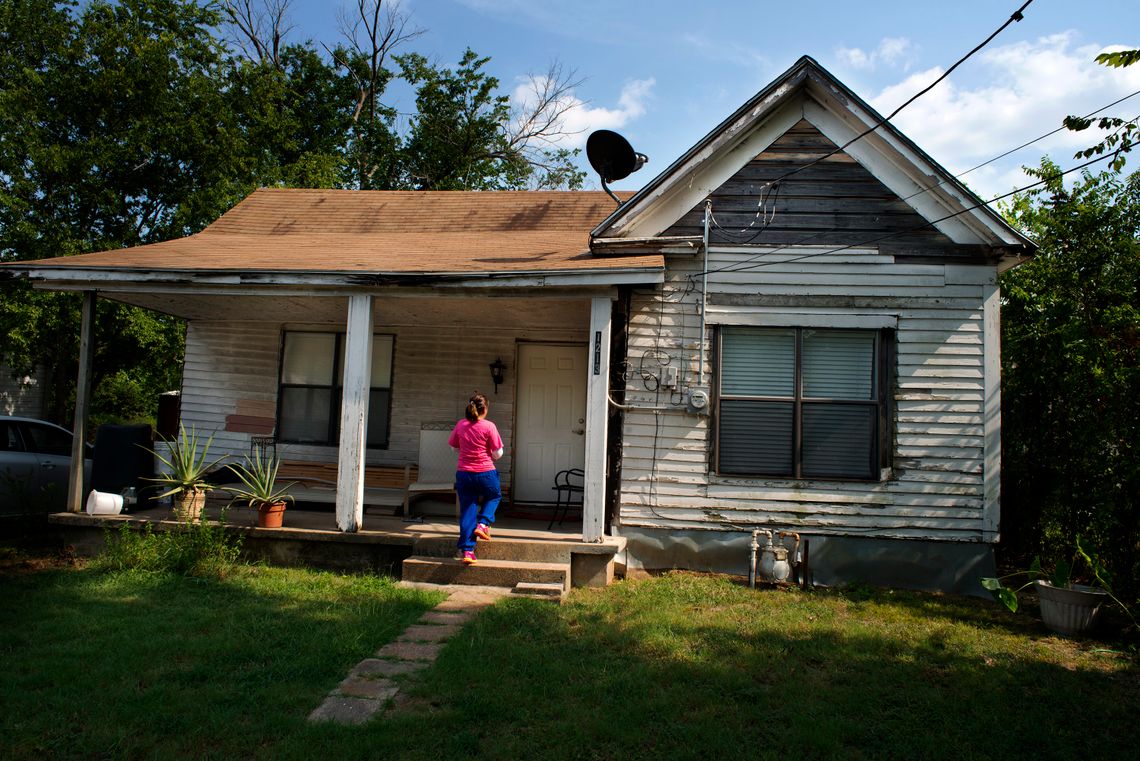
{"type": "Point", "coordinates": [375, 682]}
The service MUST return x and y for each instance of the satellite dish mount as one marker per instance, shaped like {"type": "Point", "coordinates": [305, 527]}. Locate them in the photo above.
{"type": "Point", "coordinates": [613, 158]}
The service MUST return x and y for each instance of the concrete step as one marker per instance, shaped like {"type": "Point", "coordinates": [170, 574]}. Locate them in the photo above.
{"type": "Point", "coordinates": [522, 550]}
{"type": "Point", "coordinates": [487, 572]}
{"type": "Point", "coordinates": [539, 591]}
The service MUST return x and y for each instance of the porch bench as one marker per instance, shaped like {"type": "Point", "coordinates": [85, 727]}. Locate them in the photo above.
{"type": "Point", "coordinates": [384, 485]}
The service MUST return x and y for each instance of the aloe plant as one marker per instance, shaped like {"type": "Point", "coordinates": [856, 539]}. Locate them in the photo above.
{"type": "Point", "coordinates": [187, 467]}
{"type": "Point", "coordinates": [259, 475]}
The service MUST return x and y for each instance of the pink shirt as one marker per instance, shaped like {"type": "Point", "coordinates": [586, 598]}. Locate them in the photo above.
{"type": "Point", "coordinates": [476, 442]}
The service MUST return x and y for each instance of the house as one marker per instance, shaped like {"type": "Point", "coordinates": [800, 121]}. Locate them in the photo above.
{"type": "Point", "coordinates": [794, 326]}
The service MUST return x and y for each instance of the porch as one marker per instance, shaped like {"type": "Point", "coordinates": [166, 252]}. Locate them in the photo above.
{"type": "Point", "coordinates": [523, 553]}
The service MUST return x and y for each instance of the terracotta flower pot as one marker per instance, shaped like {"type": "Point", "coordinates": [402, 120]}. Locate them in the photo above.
{"type": "Point", "coordinates": [270, 515]}
{"type": "Point", "coordinates": [188, 505]}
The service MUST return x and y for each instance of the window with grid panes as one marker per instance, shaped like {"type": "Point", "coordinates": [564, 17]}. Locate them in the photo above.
{"type": "Point", "coordinates": [801, 402]}
{"type": "Point", "coordinates": [311, 385]}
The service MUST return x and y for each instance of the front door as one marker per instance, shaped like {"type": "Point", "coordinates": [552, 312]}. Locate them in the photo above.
{"type": "Point", "coordinates": [550, 425]}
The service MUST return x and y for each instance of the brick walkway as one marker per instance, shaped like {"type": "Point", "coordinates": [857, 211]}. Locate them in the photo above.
{"type": "Point", "coordinates": [375, 682]}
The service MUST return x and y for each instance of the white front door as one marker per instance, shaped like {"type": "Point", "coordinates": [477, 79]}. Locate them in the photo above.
{"type": "Point", "coordinates": [550, 425]}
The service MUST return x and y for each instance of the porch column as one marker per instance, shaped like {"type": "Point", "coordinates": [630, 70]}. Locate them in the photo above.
{"type": "Point", "coordinates": [597, 421]}
{"type": "Point", "coordinates": [354, 414]}
{"type": "Point", "coordinates": [82, 395]}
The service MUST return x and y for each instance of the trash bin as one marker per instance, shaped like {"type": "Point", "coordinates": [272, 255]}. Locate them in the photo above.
{"type": "Point", "coordinates": [123, 461]}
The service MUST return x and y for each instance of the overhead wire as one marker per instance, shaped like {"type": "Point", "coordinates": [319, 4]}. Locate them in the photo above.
{"type": "Point", "coordinates": [736, 266]}
{"type": "Point", "coordinates": [1017, 15]}
{"type": "Point", "coordinates": [1018, 148]}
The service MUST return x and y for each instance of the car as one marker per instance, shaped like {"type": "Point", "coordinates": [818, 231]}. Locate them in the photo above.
{"type": "Point", "coordinates": [35, 463]}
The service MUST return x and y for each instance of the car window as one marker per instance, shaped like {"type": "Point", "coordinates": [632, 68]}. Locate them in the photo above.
{"type": "Point", "coordinates": [45, 439]}
{"type": "Point", "coordinates": [9, 438]}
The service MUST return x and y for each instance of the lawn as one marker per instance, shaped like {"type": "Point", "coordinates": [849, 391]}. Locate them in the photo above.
{"type": "Point", "coordinates": [137, 665]}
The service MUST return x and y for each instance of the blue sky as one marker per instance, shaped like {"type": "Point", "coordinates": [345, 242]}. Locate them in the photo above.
{"type": "Point", "coordinates": [664, 73]}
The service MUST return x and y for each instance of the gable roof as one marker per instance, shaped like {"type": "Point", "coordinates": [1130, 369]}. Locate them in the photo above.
{"type": "Point", "coordinates": [355, 237]}
{"type": "Point", "coordinates": [808, 92]}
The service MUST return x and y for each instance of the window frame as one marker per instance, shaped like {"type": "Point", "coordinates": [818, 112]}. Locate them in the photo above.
{"type": "Point", "coordinates": [883, 382]}
{"type": "Point", "coordinates": [336, 390]}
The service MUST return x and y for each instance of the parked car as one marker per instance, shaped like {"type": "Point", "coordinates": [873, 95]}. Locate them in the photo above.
{"type": "Point", "coordinates": [35, 460]}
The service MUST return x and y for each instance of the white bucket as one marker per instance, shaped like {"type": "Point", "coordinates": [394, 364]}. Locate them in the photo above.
{"type": "Point", "coordinates": [104, 503]}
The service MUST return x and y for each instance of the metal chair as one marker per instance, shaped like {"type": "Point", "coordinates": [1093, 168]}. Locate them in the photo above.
{"type": "Point", "coordinates": [568, 485]}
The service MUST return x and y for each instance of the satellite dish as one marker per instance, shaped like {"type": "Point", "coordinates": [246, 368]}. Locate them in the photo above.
{"type": "Point", "coordinates": [612, 157]}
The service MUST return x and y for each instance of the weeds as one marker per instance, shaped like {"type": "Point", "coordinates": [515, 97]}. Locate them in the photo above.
{"type": "Point", "coordinates": [190, 549]}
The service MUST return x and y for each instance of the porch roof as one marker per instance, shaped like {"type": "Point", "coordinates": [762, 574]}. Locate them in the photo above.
{"type": "Point", "coordinates": [370, 236]}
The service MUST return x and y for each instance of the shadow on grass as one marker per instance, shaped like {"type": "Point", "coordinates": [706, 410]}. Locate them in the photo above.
{"type": "Point", "coordinates": [157, 665]}
{"type": "Point", "coordinates": [100, 666]}
{"type": "Point", "coordinates": [710, 671]}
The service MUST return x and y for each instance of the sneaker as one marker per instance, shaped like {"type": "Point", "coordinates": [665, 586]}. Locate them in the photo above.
{"type": "Point", "coordinates": [469, 558]}
{"type": "Point", "coordinates": [483, 531]}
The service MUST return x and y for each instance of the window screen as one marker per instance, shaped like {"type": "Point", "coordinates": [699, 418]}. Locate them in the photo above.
{"type": "Point", "coordinates": [799, 403]}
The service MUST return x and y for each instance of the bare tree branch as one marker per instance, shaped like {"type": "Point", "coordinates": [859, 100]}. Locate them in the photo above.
{"type": "Point", "coordinates": [258, 27]}
{"type": "Point", "coordinates": [372, 33]}
{"type": "Point", "coordinates": [541, 116]}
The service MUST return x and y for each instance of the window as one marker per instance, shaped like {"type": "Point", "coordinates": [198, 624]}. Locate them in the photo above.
{"type": "Point", "coordinates": [802, 403]}
{"type": "Point", "coordinates": [312, 376]}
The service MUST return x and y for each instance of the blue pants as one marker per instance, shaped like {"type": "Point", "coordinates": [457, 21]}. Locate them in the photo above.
{"type": "Point", "coordinates": [473, 488]}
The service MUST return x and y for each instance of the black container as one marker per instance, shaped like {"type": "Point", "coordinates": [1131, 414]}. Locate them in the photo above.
{"type": "Point", "coordinates": [122, 460]}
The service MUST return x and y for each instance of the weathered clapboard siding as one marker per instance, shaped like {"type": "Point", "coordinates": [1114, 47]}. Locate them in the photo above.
{"type": "Point", "coordinates": [232, 366]}
{"type": "Point", "coordinates": [802, 204]}
{"type": "Point", "coordinates": [935, 487]}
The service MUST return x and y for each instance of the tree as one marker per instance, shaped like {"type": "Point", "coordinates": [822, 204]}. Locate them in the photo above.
{"type": "Point", "coordinates": [131, 121]}
{"type": "Point", "coordinates": [1071, 377]}
{"type": "Point", "coordinates": [1124, 132]}
{"type": "Point", "coordinates": [114, 133]}
{"type": "Point", "coordinates": [465, 136]}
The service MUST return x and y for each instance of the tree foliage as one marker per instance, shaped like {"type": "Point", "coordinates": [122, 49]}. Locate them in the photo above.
{"type": "Point", "coordinates": [135, 121]}
{"type": "Point", "coordinates": [1071, 379]}
{"type": "Point", "coordinates": [1123, 132]}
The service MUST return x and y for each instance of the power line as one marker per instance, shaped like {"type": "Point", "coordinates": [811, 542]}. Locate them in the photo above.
{"type": "Point", "coordinates": [737, 266]}
{"type": "Point", "coordinates": [1018, 148]}
{"type": "Point", "coordinates": [1017, 16]}
{"type": "Point", "coordinates": [774, 185]}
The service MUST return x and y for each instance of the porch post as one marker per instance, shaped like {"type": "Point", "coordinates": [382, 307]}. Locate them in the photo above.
{"type": "Point", "coordinates": [597, 420]}
{"type": "Point", "coordinates": [82, 395]}
{"type": "Point", "coordinates": [354, 414]}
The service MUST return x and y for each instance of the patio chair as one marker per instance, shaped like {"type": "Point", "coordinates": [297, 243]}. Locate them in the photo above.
{"type": "Point", "coordinates": [437, 463]}
{"type": "Point", "coordinates": [568, 485]}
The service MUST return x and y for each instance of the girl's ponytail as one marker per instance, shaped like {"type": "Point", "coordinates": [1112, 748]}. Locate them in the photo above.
{"type": "Point", "coordinates": [476, 407]}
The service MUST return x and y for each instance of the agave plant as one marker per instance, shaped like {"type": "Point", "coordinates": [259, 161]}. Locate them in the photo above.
{"type": "Point", "coordinates": [259, 475]}
{"type": "Point", "coordinates": [186, 466]}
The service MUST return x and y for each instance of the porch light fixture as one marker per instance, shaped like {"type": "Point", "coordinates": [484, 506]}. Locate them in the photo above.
{"type": "Point", "coordinates": [497, 371]}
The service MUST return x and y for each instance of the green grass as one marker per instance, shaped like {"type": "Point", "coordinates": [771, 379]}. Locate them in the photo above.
{"type": "Point", "coordinates": [682, 666]}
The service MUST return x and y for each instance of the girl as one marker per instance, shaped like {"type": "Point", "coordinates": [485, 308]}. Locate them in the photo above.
{"type": "Point", "coordinates": [479, 445]}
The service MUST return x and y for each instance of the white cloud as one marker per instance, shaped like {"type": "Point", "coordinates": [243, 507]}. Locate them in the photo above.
{"type": "Point", "coordinates": [1028, 88]}
{"type": "Point", "coordinates": [580, 118]}
{"type": "Point", "coordinates": [895, 52]}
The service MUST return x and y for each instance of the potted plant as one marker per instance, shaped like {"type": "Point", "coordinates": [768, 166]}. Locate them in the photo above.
{"type": "Point", "coordinates": [185, 479]}
{"type": "Point", "coordinates": [1067, 608]}
{"type": "Point", "coordinates": [259, 476]}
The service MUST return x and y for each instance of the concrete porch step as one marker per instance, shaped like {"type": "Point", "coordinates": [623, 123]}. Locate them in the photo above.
{"type": "Point", "coordinates": [487, 572]}
{"type": "Point", "coordinates": [499, 548]}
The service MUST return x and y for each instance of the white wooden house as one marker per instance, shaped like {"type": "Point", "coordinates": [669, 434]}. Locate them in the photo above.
{"type": "Point", "coordinates": [784, 329]}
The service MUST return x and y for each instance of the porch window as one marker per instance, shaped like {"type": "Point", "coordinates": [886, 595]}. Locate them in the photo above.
{"type": "Point", "coordinates": [802, 403]}
{"type": "Point", "coordinates": [312, 377]}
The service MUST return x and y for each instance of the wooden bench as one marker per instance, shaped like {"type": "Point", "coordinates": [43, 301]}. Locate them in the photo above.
{"type": "Point", "coordinates": [316, 481]}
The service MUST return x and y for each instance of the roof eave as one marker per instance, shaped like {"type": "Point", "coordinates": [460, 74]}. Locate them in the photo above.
{"type": "Point", "coordinates": [138, 279]}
